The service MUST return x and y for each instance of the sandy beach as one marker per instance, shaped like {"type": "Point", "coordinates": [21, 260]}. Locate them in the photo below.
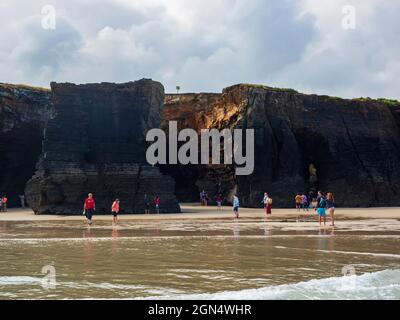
{"type": "Point", "coordinates": [195, 211]}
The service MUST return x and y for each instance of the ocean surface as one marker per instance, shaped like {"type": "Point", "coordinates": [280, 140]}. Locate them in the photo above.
{"type": "Point", "coordinates": [200, 259]}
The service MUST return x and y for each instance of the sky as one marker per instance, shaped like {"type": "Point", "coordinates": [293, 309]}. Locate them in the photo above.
{"type": "Point", "coordinates": [346, 48]}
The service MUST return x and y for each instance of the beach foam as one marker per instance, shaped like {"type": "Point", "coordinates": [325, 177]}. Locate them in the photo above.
{"type": "Point", "coordinates": [377, 285]}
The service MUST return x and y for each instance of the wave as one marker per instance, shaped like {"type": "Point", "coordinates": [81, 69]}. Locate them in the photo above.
{"type": "Point", "coordinates": [380, 285]}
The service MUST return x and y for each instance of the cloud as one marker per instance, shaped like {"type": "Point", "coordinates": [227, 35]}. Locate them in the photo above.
{"type": "Point", "coordinates": [206, 45]}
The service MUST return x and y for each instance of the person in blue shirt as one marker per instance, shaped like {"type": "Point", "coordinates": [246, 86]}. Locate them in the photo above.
{"type": "Point", "coordinates": [236, 205]}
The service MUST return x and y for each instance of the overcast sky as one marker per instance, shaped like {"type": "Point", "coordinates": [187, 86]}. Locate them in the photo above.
{"type": "Point", "coordinates": [206, 45]}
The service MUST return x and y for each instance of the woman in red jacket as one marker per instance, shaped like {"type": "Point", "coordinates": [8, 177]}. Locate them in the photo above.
{"type": "Point", "coordinates": [89, 207]}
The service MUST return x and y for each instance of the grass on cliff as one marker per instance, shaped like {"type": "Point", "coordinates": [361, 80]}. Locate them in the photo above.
{"type": "Point", "coordinates": [23, 86]}
{"type": "Point", "coordinates": [268, 88]}
{"type": "Point", "coordinates": [391, 102]}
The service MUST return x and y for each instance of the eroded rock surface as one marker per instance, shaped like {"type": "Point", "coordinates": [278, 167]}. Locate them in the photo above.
{"type": "Point", "coordinates": [354, 145]}
{"type": "Point", "coordinates": [24, 112]}
{"type": "Point", "coordinates": [96, 143]}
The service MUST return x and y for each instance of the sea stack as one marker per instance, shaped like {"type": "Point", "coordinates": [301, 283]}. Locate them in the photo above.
{"type": "Point", "coordinates": [96, 143]}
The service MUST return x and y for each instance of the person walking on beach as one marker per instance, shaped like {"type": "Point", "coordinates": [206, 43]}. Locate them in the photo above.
{"type": "Point", "coordinates": [297, 200]}
{"type": "Point", "coordinates": [267, 201]}
{"type": "Point", "coordinates": [115, 211]}
{"type": "Point", "coordinates": [157, 202]}
{"type": "Point", "coordinates": [304, 202]}
{"type": "Point", "coordinates": [330, 204]}
{"type": "Point", "coordinates": [236, 205]}
{"type": "Point", "coordinates": [89, 207]}
{"type": "Point", "coordinates": [218, 200]}
{"type": "Point", "coordinates": [146, 205]}
{"type": "Point", "coordinates": [320, 208]}
{"type": "Point", "coordinates": [22, 200]}
{"type": "Point", "coordinates": [4, 201]}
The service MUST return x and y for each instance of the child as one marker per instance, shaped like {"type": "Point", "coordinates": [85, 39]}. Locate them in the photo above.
{"type": "Point", "coordinates": [297, 200]}
{"type": "Point", "coordinates": [115, 211]}
{"type": "Point", "coordinates": [236, 205]}
{"type": "Point", "coordinates": [218, 199]}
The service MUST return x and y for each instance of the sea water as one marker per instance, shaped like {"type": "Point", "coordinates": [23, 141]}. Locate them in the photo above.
{"type": "Point", "coordinates": [201, 259]}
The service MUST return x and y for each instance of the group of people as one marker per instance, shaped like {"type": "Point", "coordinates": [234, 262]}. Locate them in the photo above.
{"type": "Point", "coordinates": [204, 199]}
{"type": "Point", "coordinates": [321, 204]}
{"type": "Point", "coordinates": [89, 207]}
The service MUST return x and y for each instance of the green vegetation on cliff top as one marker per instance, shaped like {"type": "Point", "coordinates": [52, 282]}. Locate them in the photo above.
{"type": "Point", "coordinates": [362, 99]}
{"type": "Point", "coordinates": [23, 86]}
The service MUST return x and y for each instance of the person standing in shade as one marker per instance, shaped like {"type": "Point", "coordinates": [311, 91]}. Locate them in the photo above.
{"type": "Point", "coordinates": [320, 209]}
{"type": "Point", "coordinates": [22, 200]}
{"type": "Point", "coordinates": [236, 205]}
{"type": "Point", "coordinates": [218, 200]}
{"type": "Point", "coordinates": [330, 204]}
{"type": "Point", "coordinates": [89, 207]}
{"type": "Point", "coordinates": [4, 201]}
{"type": "Point", "coordinates": [304, 202]}
{"type": "Point", "coordinates": [157, 202]}
{"type": "Point", "coordinates": [146, 205]}
{"type": "Point", "coordinates": [202, 197]}
{"type": "Point", "coordinates": [297, 200]}
{"type": "Point", "coordinates": [115, 211]}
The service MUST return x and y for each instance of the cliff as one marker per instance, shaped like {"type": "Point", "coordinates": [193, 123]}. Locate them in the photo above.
{"type": "Point", "coordinates": [96, 143]}
{"type": "Point", "coordinates": [24, 112]}
{"type": "Point", "coordinates": [302, 142]}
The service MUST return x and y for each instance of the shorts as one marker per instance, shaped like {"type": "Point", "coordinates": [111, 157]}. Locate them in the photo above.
{"type": "Point", "coordinates": [218, 203]}
{"type": "Point", "coordinates": [236, 209]}
{"type": "Point", "coordinates": [147, 206]}
{"type": "Point", "coordinates": [115, 213]}
{"type": "Point", "coordinates": [321, 211]}
{"type": "Point", "coordinates": [89, 214]}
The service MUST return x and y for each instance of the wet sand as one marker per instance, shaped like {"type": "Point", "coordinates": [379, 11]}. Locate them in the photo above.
{"type": "Point", "coordinates": [195, 211]}
{"type": "Point", "coordinates": [202, 253]}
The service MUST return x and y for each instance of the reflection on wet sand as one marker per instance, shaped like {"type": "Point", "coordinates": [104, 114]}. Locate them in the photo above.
{"type": "Point", "coordinates": [176, 257]}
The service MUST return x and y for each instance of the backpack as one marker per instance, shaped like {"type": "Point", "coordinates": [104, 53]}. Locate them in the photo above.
{"type": "Point", "coordinates": [269, 200]}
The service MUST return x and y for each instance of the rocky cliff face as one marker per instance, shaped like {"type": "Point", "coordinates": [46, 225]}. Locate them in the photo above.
{"type": "Point", "coordinates": [96, 143]}
{"type": "Point", "coordinates": [24, 112]}
{"type": "Point", "coordinates": [302, 142]}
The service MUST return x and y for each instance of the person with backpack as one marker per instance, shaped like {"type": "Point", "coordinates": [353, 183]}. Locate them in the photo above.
{"type": "Point", "coordinates": [115, 211]}
{"type": "Point", "coordinates": [267, 201]}
{"type": "Point", "coordinates": [320, 208]}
